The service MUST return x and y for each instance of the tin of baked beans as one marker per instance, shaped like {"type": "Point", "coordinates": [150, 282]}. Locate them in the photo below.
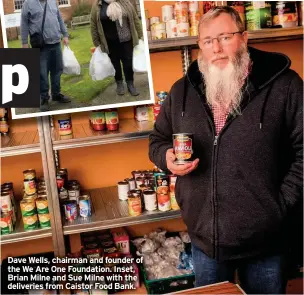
{"type": "Point", "coordinates": [29, 174]}
{"type": "Point", "coordinates": [131, 182]}
{"type": "Point", "coordinates": [42, 205]}
{"type": "Point", "coordinates": [28, 207]}
{"type": "Point", "coordinates": [123, 190]}
{"type": "Point", "coordinates": [134, 205]}
{"type": "Point", "coordinates": [163, 201]}
{"type": "Point", "coordinates": [30, 186]}
{"type": "Point", "coordinates": [30, 222]}
{"type": "Point", "coordinates": [183, 147]}
{"type": "Point", "coordinates": [85, 208]}
{"type": "Point", "coordinates": [150, 200]}
{"type": "Point", "coordinates": [6, 224]}
{"type": "Point", "coordinates": [44, 220]}
{"type": "Point", "coordinates": [70, 210]}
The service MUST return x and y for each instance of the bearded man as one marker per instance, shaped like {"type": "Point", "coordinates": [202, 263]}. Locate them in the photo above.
{"type": "Point", "coordinates": [244, 108]}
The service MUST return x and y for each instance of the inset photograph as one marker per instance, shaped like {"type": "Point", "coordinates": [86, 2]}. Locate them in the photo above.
{"type": "Point", "coordinates": [92, 53]}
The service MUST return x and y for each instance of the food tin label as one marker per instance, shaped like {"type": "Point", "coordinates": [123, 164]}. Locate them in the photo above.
{"type": "Point", "coordinates": [150, 201]}
{"type": "Point", "coordinates": [6, 224]}
{"type": "Point", "coordinates": [111, 119]}
{"type": "Point", "coordinates": [44, 220]}
{"type": "Point", "coordinates": [70, 209]}
{"type": "Point", "coordinates": [65, 127]}
{"type": "Point", "coordinates": [30, 222]}
{"type": "Point", "coordinates": [134, 206]}
{"type": "Point", "coordinates": [42, 206]}
{"type": "Point", "coordinates": [6, 203]}
{"type": "Point", "coordinates": [183, 147]}
{"type": "Point", "coordinates": [173, 201]}
{"type": "Point", "coordinates": [163, 202]}
{"type": "Point", "coordinates": [85, 207]}
{"type": "Point", "coordinates": [123, 190]}
{"type": "Point", "coordinates": [30, 187]}
{"type": "Point", "coordinates": [28, 208]}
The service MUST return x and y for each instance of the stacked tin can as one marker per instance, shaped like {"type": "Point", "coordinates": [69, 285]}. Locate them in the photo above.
{"type": "Point", "coordinates": [8, 208]}
{"type": "Point", "coordinates": [4, 127]}
{"type": "Point", "coordinates": [70, 198]}
{"type": "Point", "coordinates": [194, 17]}
{"type": "Point", "coordinates": [34, 205]}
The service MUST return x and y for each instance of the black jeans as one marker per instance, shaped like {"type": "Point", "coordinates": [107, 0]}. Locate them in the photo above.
{"type": "Point", "coordinates": [50, 63]}
{"type": "Point", "coordinates": [121, 52]}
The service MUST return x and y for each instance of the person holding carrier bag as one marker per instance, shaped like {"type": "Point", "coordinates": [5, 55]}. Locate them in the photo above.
{"type": "Point", "coordinates": [42, 22]}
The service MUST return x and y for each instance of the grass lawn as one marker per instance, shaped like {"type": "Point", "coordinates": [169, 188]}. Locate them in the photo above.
{"type": "Point", "coordinates": [81, 87]}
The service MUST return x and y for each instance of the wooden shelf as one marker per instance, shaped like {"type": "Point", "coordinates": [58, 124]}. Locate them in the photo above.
{"type": "Point", "coordinates": [259, 36]}
{"type": "Point", "coordinates": [84, 135]}
{"type": "Point", "coordinates": [110, 212]}
{"type": "Point", "coordinates": [20, 143]}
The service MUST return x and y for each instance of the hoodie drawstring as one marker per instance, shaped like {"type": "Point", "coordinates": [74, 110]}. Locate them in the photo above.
{"type": "Point", "coordinates": [264, 106]}
{"type": "Point", "coordinates": [184, 95]}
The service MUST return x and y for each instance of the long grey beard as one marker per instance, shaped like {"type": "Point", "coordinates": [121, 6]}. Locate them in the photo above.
{"type": "Point", "coordinates": [224, 86]}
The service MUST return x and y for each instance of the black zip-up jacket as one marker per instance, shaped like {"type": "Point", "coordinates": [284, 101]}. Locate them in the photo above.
{"type": "Point", "coordinates": [250, 176]}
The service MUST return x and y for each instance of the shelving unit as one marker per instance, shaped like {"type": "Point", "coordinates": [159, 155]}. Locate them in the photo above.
{"type": "Point", "coordinates": [259, 36]}
{"type": "Point", "coordinates": [84, 135]}
{"type": "Point", "coordinates": [110, 212]}
{"type": "Point", "coordinates": [20, 143]}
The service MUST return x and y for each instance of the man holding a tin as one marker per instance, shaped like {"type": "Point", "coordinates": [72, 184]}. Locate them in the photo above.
{"type": "Point", "coordinates": [232, 130]}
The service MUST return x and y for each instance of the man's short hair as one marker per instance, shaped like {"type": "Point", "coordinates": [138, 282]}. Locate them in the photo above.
{"type": "Point", "coordinates": [217, 10]}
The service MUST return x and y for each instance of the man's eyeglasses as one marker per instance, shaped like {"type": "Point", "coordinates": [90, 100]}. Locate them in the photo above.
{"type": "Point", "coordinates": [223, 39]}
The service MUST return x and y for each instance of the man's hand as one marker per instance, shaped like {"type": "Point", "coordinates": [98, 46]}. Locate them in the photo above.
{"type": "Point", "coordinates": [179, 169]}
{"type": "Point", "coordinates": [66, 41]}
{"type": "Point", "coordinates": [25, 46]}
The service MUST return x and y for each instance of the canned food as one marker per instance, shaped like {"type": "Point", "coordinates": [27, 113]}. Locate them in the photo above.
{"type": "Point", "coordinates": [85, 206]}
{"type": "Point", "coordinates": [131, 182]}
{"type": "Point", "coordinates": [74, 192]}
{"type": "Point", "coordinates": [207, 5]}
{"type": "Point", "coordinates": [30, 186]}
{"type": "Point", "coordinates": [136, 173]}
{"type": "Point", "coordinates": [163, 201]}
{"type": "Point", "coordinates": [41, 192]}
{"type": "Point", "coordinates": [29, 174]}
{"type": "Point", "coordinates": [6, 224]}
{"type": "Point", "coordinates": [30, 222]}
{"type": "Point", "coordinates": [3, 113]}
{"type": "Point", "coordinates": [42, 205]}
{"type": "Point", "coordinates": [134, 205]}
{"type": "Point", "coordinates": [28, 207]}
{"type": "Point", "coordinates": [65, 124]}
{"type": "Point", "coordinates": [112, 120]}
{"type": "Point", "coordinates": [98, 120]}
{"type": "Point", "coordinates": [150, 200]}
{"type": "Point", "coordinates": [62, 173]}
{"type": "Point", "coordinates": [123, 190]}
{"type": "Point", "coordinates": [3, 126]}
{"type": "Point", "coordinates": [6, 201]}
{"type": "Point", "coordinates": [182, 145]}
{"type": "Point", "coordinates": [156, 110]}
{"type": "Point", "coordinates": [70, 210]}
{"type": "Point", "coordinates": [44, 220]}
{"type": "Point", "coordinates": [173, 202]}
{"type": "Point", "coordinates": [150, 181]}
{"type": "Point", "coordinates": [172, 181]}
{"type": "Point", "coordinates": [162, 184]}
{"type": "Point", "coordinates": [139, 181]}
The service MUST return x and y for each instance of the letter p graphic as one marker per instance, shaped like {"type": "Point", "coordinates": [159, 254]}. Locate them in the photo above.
{"type": "Point", "coordinates": [7, 81]}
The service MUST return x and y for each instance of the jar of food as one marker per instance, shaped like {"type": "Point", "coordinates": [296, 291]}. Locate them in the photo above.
{"type": "Point", "coordinates": [3, 126]}
{"type": "Point", "coordinates": [29, 174]}
{"type": "Point", "coordinates": [98, 120]}
{"type": "Point", "coordinates": [112, 120]}
{"type": "Point", "coordinates": [30, 186]}
{"type": "Point", "coordinates": [65, 124]}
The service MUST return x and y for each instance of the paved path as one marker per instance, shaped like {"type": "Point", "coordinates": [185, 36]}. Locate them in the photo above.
{"type": "Point", "coordinates": [108, 96]}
